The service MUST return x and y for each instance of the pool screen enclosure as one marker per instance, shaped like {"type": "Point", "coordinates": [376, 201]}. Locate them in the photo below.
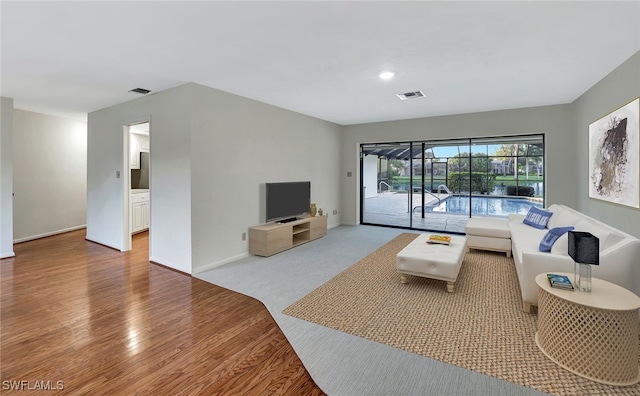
{"type": "Point", "coordinates": [438, 185]}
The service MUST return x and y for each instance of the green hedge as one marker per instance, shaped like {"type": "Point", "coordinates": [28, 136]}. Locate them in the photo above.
{"type": "Point", "coordinates": [521, 191]}
{"type": "Point", "coordinates": [481, 182]}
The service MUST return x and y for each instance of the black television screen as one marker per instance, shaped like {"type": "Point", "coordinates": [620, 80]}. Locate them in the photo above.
{"type": "Point", "coordinates": [286, 200]}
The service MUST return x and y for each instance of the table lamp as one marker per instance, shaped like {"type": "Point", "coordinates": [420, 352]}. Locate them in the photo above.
{"type": "Point", "coordinates": [584, 249]}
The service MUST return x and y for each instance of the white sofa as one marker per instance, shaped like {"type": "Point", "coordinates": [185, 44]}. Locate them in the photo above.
{"type": "Point", "coordinates": [619, 252]}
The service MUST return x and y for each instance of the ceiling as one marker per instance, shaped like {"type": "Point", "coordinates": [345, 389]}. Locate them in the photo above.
{"type": "Point", "coordinates": [320, 58]}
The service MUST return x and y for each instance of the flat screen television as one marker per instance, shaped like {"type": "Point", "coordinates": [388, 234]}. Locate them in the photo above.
{"type": "Point", "coordinates": [287, 200]}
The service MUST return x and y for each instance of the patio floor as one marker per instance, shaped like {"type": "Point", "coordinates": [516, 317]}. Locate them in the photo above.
{"type": "Point", "coordinates": [390, 208]}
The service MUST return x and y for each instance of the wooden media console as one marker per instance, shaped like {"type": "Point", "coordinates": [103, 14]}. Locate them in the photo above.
{"type": "Point", "coordinates": [269, 239]}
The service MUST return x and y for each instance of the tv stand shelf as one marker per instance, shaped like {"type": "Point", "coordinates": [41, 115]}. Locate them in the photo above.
{"type": "Point", "coordinates": [269, 239]}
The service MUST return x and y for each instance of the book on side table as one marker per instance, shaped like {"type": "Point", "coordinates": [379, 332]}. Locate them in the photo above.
{"type": "Point", "coordinates": [441, 239]}
{"type": "Point", "coordinates": [560, 281]}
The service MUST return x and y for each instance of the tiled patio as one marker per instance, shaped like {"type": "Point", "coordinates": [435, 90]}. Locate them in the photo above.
{"type": "Point", "coordinates": [393, 209]}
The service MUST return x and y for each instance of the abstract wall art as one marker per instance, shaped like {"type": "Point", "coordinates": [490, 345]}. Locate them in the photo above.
{"type": "Point", "coordinates": [614, 156]}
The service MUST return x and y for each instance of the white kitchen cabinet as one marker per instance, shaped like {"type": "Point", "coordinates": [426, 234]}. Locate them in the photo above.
{"type": "Point", "coordinates": [136, 217]}
{"type": "Point", "coordinates": [146, 214]}
{"type": "Point", "coordinates": [134, 151]}
{"type": "Point", "coordinates": [140, 212]}
{"type": "Point", "coordinates": [144, 143]}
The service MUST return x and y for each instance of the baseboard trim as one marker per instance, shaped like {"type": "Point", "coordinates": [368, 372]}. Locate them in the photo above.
{"type": "Point", "coordinates": [169, 268]}
{"type": "Point", "coordinates": [48, 234]}
{"type": "Point", "coordinates": [102, 244]}
{"type": "Point", "coordinates": [5, 255]}
{"type": "Point", "coordinates": [220, 263]}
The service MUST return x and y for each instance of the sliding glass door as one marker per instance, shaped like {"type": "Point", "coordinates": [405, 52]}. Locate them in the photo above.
{"type": "Point", "coordinates": [439, 185]}
{"type": "Point", "coordinates": [387, 193]}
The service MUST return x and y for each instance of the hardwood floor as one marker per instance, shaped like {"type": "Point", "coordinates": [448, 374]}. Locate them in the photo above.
{"type": "Point", "coordinates": [81, 316]}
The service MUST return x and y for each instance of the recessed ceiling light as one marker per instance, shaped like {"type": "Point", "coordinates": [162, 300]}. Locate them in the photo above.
{"type": "Point", "coordinates": [386, 75]}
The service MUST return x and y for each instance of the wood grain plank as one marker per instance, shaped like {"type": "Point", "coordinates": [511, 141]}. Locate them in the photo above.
{"type": "Point", "coordinates": [108, 322]}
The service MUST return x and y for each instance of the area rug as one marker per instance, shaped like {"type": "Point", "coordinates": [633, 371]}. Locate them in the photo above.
{"type": "Point", "coordinates": [480, 327]}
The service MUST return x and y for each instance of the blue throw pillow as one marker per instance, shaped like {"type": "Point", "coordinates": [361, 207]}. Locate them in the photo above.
{"type": "Point", "coordinates": [537, 218]}
{"type": "Point", "coordinates": [552, 236]}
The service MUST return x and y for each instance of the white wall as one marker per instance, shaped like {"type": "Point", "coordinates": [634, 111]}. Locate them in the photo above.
{"type": "Point", "coordinates": [556, 122]}
{"type": "Point", "coordinates": [237, 146]}
{"type": "Point", "coordinates": [49, 175]}
{"type": "Point", "coordinates": [170, 178]}
{"type": "Point", "coordinates": [105, 192]}
{"type": "Point", "coordinates": [370, 170]}
{"type": "Point", "coordinates": [6, 178]}
{"type": "Point", "coordinates": [170, 196]}
{"type": "Point", "coordinates": [615, 90]}
{"type": "Point", "coordinates": [212, 154]}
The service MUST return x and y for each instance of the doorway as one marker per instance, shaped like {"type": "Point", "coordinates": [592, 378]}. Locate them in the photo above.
{"type": "Point", "coordinates": [137, 181]}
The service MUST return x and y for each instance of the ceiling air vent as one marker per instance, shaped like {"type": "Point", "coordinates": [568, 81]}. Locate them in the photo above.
{"type": "Point", "coordinates": [140, 91]}
{"type": "Point", "coordinates": [410, 95]}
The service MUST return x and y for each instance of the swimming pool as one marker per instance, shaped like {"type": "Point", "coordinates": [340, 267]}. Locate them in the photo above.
{"type": "Point", "coordinates": [485, 206]}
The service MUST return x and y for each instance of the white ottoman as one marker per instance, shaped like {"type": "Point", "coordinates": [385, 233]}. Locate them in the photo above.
{"type": "Point", "coordinates": [432, 261]}
{"type": "Point", "coordinates": [489, 234]}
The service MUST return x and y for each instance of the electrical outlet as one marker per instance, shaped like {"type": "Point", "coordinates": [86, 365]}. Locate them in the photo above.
{"type": "Point", "coordinates": [244, 236]}
{"type": "Point", "coordinates": [335, 212]}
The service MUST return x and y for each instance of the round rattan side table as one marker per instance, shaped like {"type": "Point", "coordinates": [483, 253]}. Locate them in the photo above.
{"type": "Point", "coordinates": [593, 335]}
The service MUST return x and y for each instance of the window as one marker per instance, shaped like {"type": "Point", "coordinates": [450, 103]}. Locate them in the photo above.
{"type": "Point", "coordinates": [439, 185]}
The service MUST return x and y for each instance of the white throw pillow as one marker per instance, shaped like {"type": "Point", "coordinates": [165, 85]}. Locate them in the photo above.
{"type": "Point", "coordinates": [606, 236]}
{"type": "Point", "coordinates": [563, 218]}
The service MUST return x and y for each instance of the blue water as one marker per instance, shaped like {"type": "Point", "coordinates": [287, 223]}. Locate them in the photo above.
{"type": "Point", "coordinates": [485, 206]}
